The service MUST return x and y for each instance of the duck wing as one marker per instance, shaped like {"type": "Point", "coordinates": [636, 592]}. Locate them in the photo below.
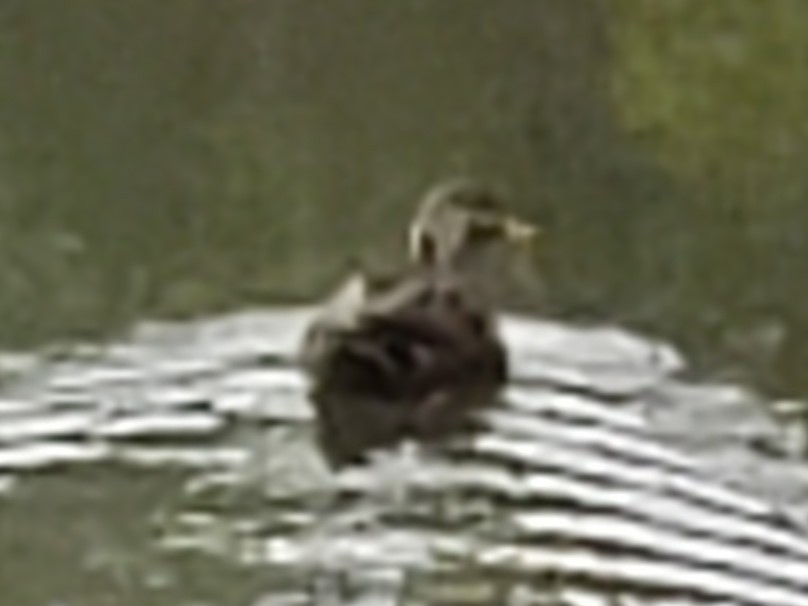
{"type": "Point", "coordinates": [414, 341]}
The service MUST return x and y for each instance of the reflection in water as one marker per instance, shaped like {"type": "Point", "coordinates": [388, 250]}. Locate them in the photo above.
{"type": "Point", "coordinates": [567, 491]}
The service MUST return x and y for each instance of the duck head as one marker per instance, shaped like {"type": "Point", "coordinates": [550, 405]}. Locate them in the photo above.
{"type": "Point", "coordinates": [461, 226]}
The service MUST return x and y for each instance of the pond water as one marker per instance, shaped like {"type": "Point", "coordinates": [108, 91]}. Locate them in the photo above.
{"type": "Point", "coordinates": [174, 158]}
{"type": "Point", "coordinates": [178, 465]}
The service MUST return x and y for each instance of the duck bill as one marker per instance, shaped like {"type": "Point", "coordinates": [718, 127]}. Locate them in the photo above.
{"type": "Point", "coordinates": [518, 232]}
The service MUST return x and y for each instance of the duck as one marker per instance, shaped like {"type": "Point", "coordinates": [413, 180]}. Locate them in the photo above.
{"type": "Point", "coordinates": [411, 356]}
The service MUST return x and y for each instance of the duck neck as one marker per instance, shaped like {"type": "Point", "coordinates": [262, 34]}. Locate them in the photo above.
{"type": "Point", "coordinates": [476, 272]}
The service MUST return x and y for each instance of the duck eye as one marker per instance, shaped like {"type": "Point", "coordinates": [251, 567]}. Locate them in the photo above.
{"type": "Point", "coordinates": [484, 229]}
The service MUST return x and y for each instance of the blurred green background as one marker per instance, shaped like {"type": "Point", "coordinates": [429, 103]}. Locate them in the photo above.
{"type": "Point", "coordinates": [175, 157]}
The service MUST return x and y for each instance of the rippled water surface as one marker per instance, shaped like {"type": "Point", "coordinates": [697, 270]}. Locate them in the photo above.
{"type": "Point", "coordinates": [178, 466]}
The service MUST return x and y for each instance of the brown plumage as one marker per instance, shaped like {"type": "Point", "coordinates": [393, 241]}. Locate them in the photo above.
{"type": "Point", "coordinates": [412, 356]}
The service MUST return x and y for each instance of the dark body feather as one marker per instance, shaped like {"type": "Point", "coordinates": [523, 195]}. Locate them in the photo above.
{"type": "Point", "coordinates": [414, 361]}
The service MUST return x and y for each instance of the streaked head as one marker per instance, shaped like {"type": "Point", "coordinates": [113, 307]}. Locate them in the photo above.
{"type": "Point", "coordinates": [460, 218]}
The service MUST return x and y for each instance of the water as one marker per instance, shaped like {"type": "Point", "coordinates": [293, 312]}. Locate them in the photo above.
{"type": "Point", "coordinates": [177, 158]}
{"type": "Point", "coordinates": [178, 466]}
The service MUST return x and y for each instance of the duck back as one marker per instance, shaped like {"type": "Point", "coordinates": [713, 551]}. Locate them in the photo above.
{"type": "Point", "coordinates": [412, 363]}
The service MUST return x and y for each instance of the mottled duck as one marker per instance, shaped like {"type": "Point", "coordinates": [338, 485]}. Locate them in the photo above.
{"type": "Point", "coordinates": [411, 356]}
